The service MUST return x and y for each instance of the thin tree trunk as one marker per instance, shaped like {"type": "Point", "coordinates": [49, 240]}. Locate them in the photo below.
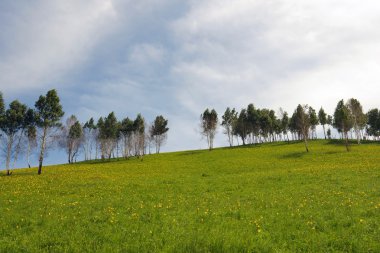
{"type": "Point", "coordinates": [9, 153]}
{"type": "Point", "coordinates": [28, 154]}
{"type": "Point", "coordinates": [41, 158]}
{"type": "Point", "coordinates": [346, 140]}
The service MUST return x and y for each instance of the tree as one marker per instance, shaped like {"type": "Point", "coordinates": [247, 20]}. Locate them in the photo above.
{"type": "Point", "coordinates": [127, 130]}
{"type": "Point", "coordinates": [252, 122]}
{"type": "Point", "coordinates": [228, 120]}
{"type": "Point", "coordinates": [330, 120]}
{"type": "Point", "coordinates": [284, 123]}
{"type": "Point", "coordinates": [108, 135]}
{"type": "Point", "coordinates": [302, 122]}
{"type": "Point", "coordinates": [329, 133]}
{"type": "Point", "coordinates": [265, 121]}
{"type": "Point", "coordinates": [2, 105]}
{"type": "Point", "coordinates": [89, 137]}
{"type": "Point", "coordinates": [48, 114]}
{"type": "Point", "coordinates": [209, 124]}
{"type": "Point", "coordinates": [241, 127]}
{"type": "Point", "coordinates": [75, 139]}
{"type": "Point", "coordinates": [158, 131]}
{"type": "Point", "coordinates": [358, 117]}
{"type": "Point", "coordinates": [12, 126]}
{"type": "Point", "coordinates": [72, 138]}
{"type": "Point", "coordinates": [31, 134]}
{"type": "Point", "coordinates": [313, 122]}
{"type": "Point", "coordinates": [322, 116]}
{"type": "Point", "coordinates": [139, 135]}
{"type": "Point", "coordinates": [374, 123]}
{"type": "Point", "coordinates": [343, 121]}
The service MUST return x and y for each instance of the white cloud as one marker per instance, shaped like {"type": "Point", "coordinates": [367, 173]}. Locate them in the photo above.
{"type": "Point", "coordinates": [176, 58]}
{"type": "Point", "coordinates": [276, 53]}
{"type": "Point", "coordinates": [51, 38]}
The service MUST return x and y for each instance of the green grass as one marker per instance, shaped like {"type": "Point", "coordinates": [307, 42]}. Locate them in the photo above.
{"type": "Point", "coordinates": [265, 198]}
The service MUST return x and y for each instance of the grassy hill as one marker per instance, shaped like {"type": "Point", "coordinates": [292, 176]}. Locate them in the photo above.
{"type": "Point", "coordinates": [264, 198]}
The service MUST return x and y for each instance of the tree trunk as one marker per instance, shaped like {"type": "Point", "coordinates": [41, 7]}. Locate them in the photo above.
{"type": "Point", "coordinates": [42, 152]}
{"type": "Point", "coordinates": [306, 144]}
{"type": "Point", "coordinates": [346, 140]}
{"type": "Point", "coordinates": [28, 154]}
{"type": "Point", "coordinates": [9, 153]}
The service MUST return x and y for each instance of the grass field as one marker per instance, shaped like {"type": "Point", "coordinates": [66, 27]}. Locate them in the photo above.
{"type": "Point", "coordinates": [265, 198]}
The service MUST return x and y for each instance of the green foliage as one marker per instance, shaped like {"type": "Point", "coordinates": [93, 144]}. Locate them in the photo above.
{"type": "Point", "coordinates": [75, 131]}
{"type": "Point", "coordinates": [159, 126]}
{"type": "Point", "coordinates": [342, 117]}
{"type": "Point", "coordinates": [241, 127]}
{"type": "Point", "coordinates": [314, 121]}
{"type": "Point", "coordinates": [47, 115]}
{"type": "Point", "coordinates": [322, 116]}
{"type": "Point", "coordinates": [229, 120]}
{"type": "Point", "coordinates": [2, 106]}
{"type": "Point", "coordinates": [374, 122]}
{"type": "Point", "coordinates": [14, 118]}
{"type": "Point", "coordinates": [329, 120]}
{"type": "Point", "coordinates": [209, 124]}
{"type": "Point", "coordinates": [266, 198]}
{"type": "Point", "coordinates": [127, 127]}
{"type": "Point", "coordinates": [329, 133]}
{"type": "Point", "coordinates": [48, 110]}
{"type": "Point", "coordinates": [302, 122]}
{"type": "Point", "coordinates": [90, 124]}
{"type": "Point", "coordinates": [285, 123]}
{"type": "Point", "coordinates": [139, 124]}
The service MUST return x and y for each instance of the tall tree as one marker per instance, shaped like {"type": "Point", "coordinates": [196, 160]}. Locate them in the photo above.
{"type": "Point", "coordinates": [313, 122]}
{"type": "Point", "coordinates": [322, 116]}
{"type": "Point", "coordinates": [108, 135]}
{"type": "Point", "coordinates": [139, 135]}
{"type": "Point", "coordinates": [31, 135]}
{"type": "Point", "coordinates": [252, 122]}
{"type": "Point", "coordinates": [89, 137]}
{"type": "Point", "coordinates": [158, 132]}
{"type": "Point", "coordinates": [302, 122]}
{"type": "Point", "coordinates": [228, 120]}
{"type": "Point", "coordinates": [75, 139]}
{"type": "Point", "coordinates": [209, 124]}
{"type": "Point", "coordinates": [72, 138]}
{"type": "Point", "coordinates": [265, 120]}
{"type": "Point", "coordinates": [241, 126]}
{"type": "Point", "coordinates": [28, 123]}
{"type": "Point", "coordinates": [284, 123]}
{"type": "Point", "coordinates": [343, 120]}
{"type": "Point", "coordinates": [374, 123]}
{"type": "Point", "coordinates": [12, 126]}
{"type": "Point", "coordinates": [358, 117]}
{"type": "Point", "coordinates": [127, 130]}
{"type": "Point", "coordinates": [48, 114]}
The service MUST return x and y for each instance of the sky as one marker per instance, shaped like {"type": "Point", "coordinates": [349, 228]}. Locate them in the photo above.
{"type": "Point", "coordinates": [177, 58]}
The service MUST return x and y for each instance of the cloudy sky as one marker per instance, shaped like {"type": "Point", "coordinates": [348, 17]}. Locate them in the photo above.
{"type": "Point", "coordinates": [176, 58]}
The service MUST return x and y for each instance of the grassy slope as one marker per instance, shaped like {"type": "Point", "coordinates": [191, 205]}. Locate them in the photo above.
{"type": "Point", "coordinates": [266, 198]}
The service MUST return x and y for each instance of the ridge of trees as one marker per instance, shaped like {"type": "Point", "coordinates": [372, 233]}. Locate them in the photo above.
{"type": "Point", "coordinates": [254, 125]}
{"type": "Point", "coordinates": [23, 130]}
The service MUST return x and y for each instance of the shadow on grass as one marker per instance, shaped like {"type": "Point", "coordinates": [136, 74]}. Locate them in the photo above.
{"type": "Point", "coordinates": [19, 173]}
{"type": "Point", "coordinates": [192, 152]}
{"type": "Point", "coordinates": [293, 155]}
{"type": "Point", "coordinates": [341, 142]}
{"type": "Point", "coordinates": [112, 160]}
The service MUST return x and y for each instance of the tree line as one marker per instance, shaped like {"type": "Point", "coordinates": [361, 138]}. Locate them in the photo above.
{"type": "Point", "coordinates": [24, 130]}
{"type": "Point", "coordinates": [254, 125]}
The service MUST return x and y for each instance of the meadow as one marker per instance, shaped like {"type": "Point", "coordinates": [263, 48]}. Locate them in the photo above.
{"type": "Point", "coordinates": [262, 198]}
